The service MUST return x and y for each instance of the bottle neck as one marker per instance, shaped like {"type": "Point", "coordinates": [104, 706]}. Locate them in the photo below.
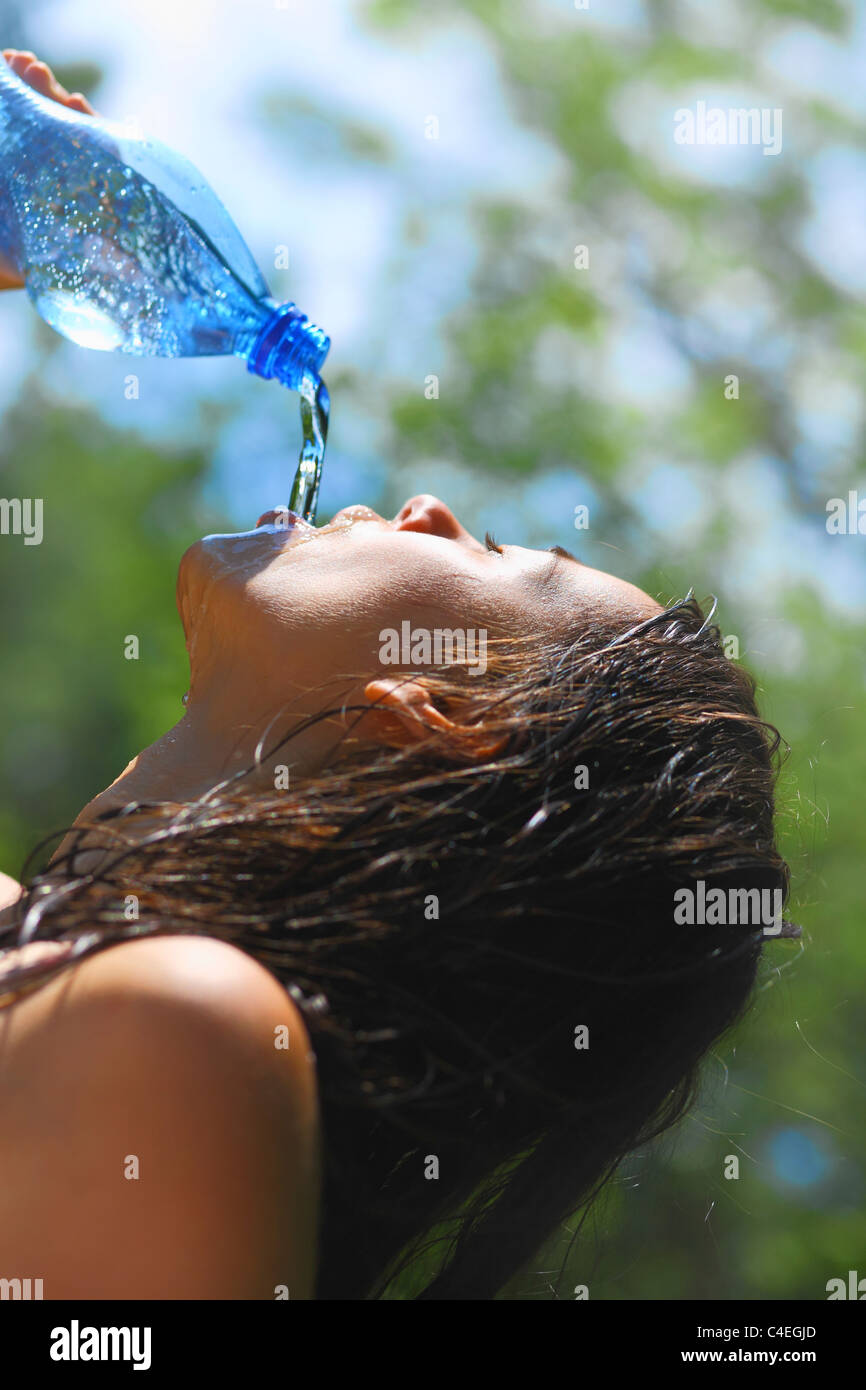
{"type": "Point", "coordinates": [288, 347]}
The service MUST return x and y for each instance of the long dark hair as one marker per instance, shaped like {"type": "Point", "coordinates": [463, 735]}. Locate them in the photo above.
{"type": "Point", "coordinates": [449, 928]}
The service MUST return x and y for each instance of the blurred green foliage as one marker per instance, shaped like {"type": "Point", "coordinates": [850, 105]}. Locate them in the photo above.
{"type": "Point", "coordinates": [784, 1094]}
{"type": "Point", "coordinates": [117, 515]}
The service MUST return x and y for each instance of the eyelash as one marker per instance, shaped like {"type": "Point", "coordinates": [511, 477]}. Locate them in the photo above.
{"type": "Point", "coordinates": [490, 542]}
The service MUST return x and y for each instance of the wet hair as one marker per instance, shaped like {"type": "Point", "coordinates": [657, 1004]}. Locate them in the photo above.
{"type": "Point", "coordinates": [448, 926]}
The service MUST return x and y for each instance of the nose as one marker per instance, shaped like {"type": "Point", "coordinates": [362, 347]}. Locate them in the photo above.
{"type": "Point", "coordinates": [429, 514]}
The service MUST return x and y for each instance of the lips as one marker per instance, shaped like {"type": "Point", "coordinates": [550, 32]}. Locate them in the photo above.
{"type": "Point", "coordinates": [279, 516]}
{"type": "Point", "coordinates": [284, 519]}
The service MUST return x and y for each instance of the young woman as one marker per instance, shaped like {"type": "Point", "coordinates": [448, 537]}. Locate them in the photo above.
{"type": "Point", "coordinates": [395, 974]}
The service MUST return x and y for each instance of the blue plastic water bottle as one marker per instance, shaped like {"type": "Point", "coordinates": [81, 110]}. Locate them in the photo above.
{"type": "Point", "coordinates": [123, 246]}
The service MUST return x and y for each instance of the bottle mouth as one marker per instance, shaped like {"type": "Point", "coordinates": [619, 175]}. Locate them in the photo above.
{"type": "Point", "coordinates": [288, 347]}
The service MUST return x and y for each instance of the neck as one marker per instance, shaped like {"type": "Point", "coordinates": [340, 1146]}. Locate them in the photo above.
{"type": "Point", "coordinates": [209, 745]}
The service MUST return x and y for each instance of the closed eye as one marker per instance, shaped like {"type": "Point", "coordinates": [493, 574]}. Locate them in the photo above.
{"type": "Point", "coordinates": [558, 550]}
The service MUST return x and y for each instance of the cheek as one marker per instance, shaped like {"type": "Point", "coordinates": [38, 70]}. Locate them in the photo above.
{"type": "Point", "coordinates": [351, 591]}
{"type": "Point", "coordinates": [325, 613]}
{"type": "Point", "coordinates": [416, 588]}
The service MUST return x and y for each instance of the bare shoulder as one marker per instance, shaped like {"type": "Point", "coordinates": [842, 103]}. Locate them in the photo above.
{"type": "Point", "coordinates": [200, 975]}
{"type": "Point", "coordinates": [200, 989]}
{"type": "Point", "coordinates": [160, 1120]}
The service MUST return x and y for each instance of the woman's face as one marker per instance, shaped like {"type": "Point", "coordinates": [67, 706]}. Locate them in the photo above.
{"type": "Point", "coordinates": [289, 607]}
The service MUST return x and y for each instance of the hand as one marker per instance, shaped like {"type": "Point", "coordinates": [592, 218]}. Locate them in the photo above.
{"type": "Point", "coordinates": [40, 77]}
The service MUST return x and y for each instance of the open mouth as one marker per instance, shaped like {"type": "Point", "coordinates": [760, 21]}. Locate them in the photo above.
{"type": "Point", "coordinates": [277, 519]}
{"type": "Point", "coordinates": [281, 518]}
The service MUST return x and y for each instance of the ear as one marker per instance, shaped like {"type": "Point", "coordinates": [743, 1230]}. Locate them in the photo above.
{"type": "Point", "coordinates": [402, 713]}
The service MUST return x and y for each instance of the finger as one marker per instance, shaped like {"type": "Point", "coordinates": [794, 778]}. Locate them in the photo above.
{"type": "Point", "coordinates": [78, 102]}
{"type": "Point", "coordinates": [40, 77]}
{"type": "Point", "coordinates": [20, 61]}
